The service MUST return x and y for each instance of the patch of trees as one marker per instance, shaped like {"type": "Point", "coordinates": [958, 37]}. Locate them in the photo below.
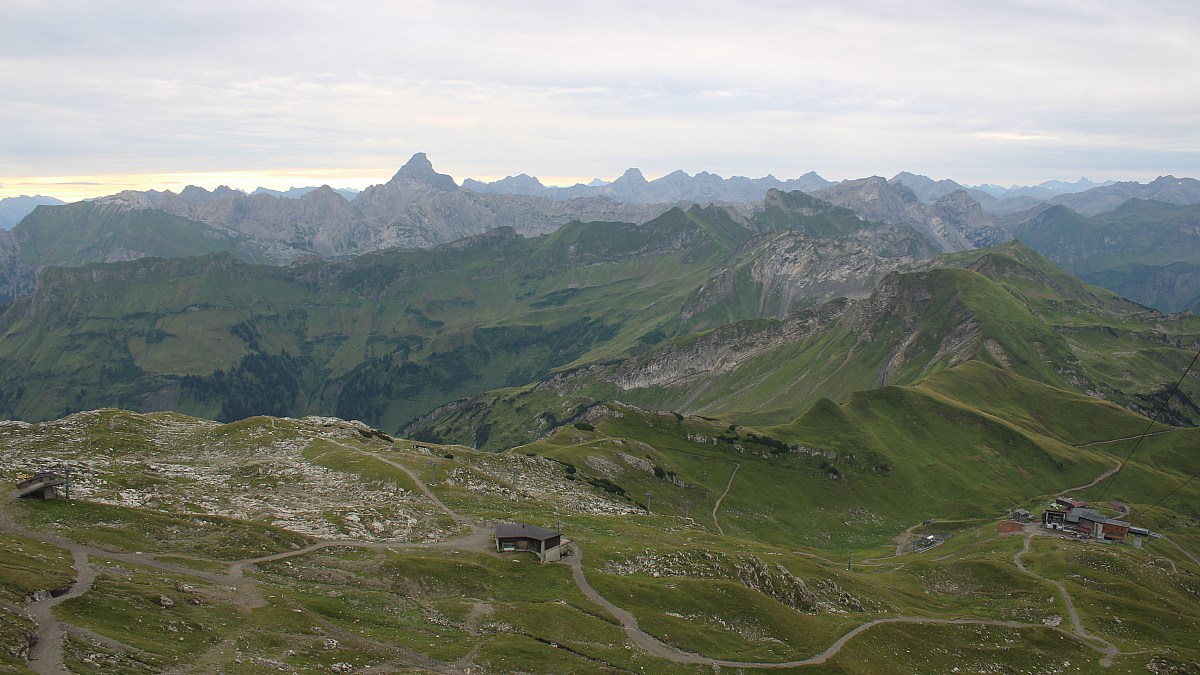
{"type": "Point", "coordinates": [259, 384]}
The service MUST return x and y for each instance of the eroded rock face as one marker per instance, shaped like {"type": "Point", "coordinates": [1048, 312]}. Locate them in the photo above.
{"type": "Point", "coordinates": [955, 222]}
{"type": "Point", "coordinates": [957, 216]}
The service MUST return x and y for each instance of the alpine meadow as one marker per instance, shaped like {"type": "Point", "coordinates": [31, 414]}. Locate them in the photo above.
{"type": "Point", "coordinates": [269, 403]}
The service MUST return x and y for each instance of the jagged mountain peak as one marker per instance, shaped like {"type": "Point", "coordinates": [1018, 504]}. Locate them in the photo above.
{"type": "Point", "coordinates": [420, 170]}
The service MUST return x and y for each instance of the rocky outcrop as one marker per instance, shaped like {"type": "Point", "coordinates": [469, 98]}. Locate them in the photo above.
{"type": "Point", "coordinates": [681, 363]}
{"type": "Point", "coordinates": [959, 214]}
{"type": "Point", "coordinates": [805, 595]}
{"type": "Point", "coordinates": [793, 269]}
{"type": "Point", "coordinates": [951, 222]}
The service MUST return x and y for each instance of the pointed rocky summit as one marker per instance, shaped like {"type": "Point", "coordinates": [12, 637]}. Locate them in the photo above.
{"type": "Point", "coordinates": [419, 169]}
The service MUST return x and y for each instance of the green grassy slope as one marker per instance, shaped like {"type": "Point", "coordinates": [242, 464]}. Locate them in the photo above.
{"type": "Point", "coordinates": [1005, 307]}
{"type": "Point", "coordinates": [383, 337]}
{"type": "Point", "coordinates": [1137, 232]}
{"type": "Point", "coordinates": [86, 232]}
{"type": "Point", "coordinates": [764, 578]}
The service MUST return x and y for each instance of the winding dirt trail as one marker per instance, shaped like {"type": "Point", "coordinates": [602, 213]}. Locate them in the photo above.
{"type": "Point", "coordinates": [46, 654]}
{"type": "Point", "coordinates": [904, 539]}
{"type": "Point", "coordinates": [655, 647]}
{"type": "Point", "coordinates": [1105, 647]}
{"type": "Point", "coordinates": [1183, 551]}
{"type": "Point", "coordinates": [1124, 438]}
{"type": "Point", "coordinates": [1096, 482]}
{"type": "Point", "coordinates": [416, 479]}
{"type": "Point", "coordinates": [717, 505]}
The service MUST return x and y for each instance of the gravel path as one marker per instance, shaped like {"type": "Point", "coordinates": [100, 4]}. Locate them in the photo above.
{"type": "Point", "coordinates": [717, 506]}
{"type": "Point", "coordinates": [1124, 438]}
{"type": "Point", "coordinates": [1099, 644]}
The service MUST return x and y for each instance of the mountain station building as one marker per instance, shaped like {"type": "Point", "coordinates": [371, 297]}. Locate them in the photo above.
{"type": "Point", "coordinates": [1091, 523]}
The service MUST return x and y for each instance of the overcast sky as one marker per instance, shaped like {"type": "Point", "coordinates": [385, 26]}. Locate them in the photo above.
{"type": "Point", "coordinates": [98, 96]}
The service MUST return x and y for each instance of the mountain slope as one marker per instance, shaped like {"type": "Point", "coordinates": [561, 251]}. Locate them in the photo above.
{"type": "Point", "coordinates": [1006, 307]}
{"type": "Point", "coordinates": [389, 336]}
{"type": "Point", "coordinates": [1142, 249]}
{"type": "Point", "coordinates": [954, 222]}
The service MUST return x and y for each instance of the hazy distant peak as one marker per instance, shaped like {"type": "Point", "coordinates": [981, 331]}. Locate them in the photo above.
{"type": "Point", "coordinates": [522, 180]}
{"type": "Point", "coordinates": [13, 209]}
{"type": "Point", "coordinates": [194, 193]}
{"type": "Point", "coordinates": [631, 176]}
{"type": "Point", "coordinates": [419, 169]}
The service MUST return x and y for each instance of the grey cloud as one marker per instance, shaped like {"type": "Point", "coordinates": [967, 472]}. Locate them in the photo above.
{"type": "Point", "coordinates": [579, 87]}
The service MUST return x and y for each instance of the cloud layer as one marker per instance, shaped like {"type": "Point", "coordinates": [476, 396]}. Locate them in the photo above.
{"type": "Point", "coordinates": [1004, 92]}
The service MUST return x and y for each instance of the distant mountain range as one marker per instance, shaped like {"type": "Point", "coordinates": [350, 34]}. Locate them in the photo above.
{"type": "Point", "coordinates": [13, 209]}
{"type": "Point", "coordinates": [1046, 190]}
{"type": "Point", "coordinates": [419, 208]}
{"type": "Point", "coordinates": [677, 186]}
{"type": "Point", "coordinates": [298, 192]}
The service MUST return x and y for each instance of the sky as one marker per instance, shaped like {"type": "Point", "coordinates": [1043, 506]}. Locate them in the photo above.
{"type": "Point", "coordinates": [98, 96]}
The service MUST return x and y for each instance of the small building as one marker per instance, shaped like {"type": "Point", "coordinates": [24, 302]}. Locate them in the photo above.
{"type": "Point", "coordinates": [1021, 516]}
{"type": "Point", "coordinates": [43, 485]}
{"type": "Point", "coordinates": [547, 544]}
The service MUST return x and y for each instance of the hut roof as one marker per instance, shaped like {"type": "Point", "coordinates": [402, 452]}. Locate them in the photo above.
{"type": "Point", "coordinates": [518, 530]}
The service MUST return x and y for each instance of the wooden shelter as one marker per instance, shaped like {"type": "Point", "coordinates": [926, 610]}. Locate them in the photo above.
{"type": "Point", "coordinates": [43, 485]}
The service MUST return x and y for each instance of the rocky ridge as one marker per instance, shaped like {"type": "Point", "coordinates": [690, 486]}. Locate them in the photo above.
{"type": "Point", "coordinates": [417, 208]}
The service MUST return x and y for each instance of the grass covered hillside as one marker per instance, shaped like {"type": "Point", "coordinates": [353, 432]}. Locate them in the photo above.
{"type": "Point", "coordinates": [53, 236]}
{"type": "Point", "coordinates": [318, 545]}
{"type": "Point", "coordinates": [389, 336]}
{"type": "Point", "coordinates": [1006, 307]}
